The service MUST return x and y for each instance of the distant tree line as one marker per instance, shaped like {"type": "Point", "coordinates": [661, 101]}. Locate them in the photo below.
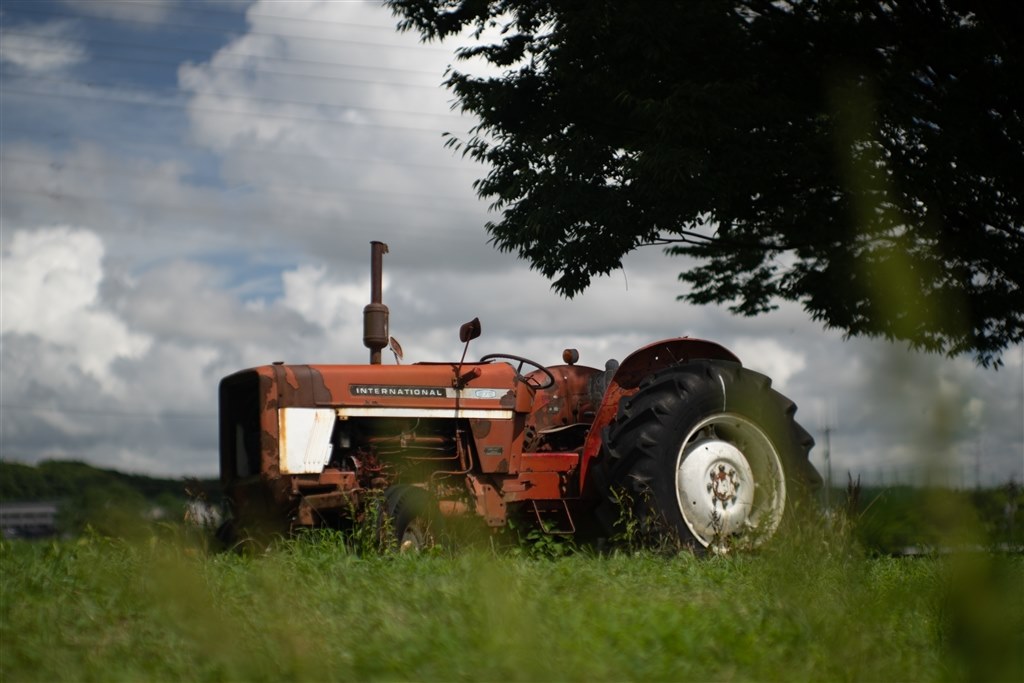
{"type": "Point", "coordinates": [54, 479]}
{"type": "Point", "coordinates": [897, 519]}
{"type": "Point", "coordinates": [111, 502]}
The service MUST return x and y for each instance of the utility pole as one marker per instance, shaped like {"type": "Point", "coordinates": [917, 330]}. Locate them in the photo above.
{"type": "Point", "coordinates": [828, 465]}
{"type": "Point", "coordinates": [977, 464]}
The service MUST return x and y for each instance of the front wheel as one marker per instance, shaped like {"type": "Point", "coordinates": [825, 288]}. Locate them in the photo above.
{"type": "Point", "coordinates": [707, 453]}
{"type": "Point", "coordinates": [411, 522]}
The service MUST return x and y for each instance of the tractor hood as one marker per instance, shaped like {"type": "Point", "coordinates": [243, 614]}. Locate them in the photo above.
{"type": "Point", "coordinates": [488, 386]}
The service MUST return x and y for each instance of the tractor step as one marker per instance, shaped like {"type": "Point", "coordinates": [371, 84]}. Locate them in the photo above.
{"type": "Point", "coordinates": [554, 519]}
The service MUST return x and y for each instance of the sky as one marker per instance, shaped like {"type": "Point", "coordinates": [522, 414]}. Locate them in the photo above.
{"type": "Point", "coordinates": [188, 189]}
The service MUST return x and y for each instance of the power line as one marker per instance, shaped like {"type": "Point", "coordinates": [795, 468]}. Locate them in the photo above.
{"type": "Point", "coordinates": [235, 150]}
{"type": "Point", "coordinates": [220, 68]}
{"type": "Point", "coordinates": [193, 8]}
{"type": "Point", "coordinates": [224, 112]}
{"type": "Point", "coordinates": [360, 194]}
{"type": "Point", "coordinates": [219, 30]}
{"type": "Point", "coordinates": [242, 98]}
{"type": "Point", "coordinates": [205, 54]}
{"type": "Point", "coordinates": [213, 211]}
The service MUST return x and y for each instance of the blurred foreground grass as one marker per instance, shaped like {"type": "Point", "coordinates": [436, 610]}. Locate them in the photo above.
{"type": "Point", "coordinates": [814, 608]}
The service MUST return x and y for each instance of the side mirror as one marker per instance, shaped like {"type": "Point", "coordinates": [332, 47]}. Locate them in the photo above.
{"type": "Point", "coordinates": [469, 331]}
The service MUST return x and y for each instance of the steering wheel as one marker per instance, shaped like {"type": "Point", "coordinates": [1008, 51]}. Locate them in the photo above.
{"type": "Point", "coordinates": [547, 382]}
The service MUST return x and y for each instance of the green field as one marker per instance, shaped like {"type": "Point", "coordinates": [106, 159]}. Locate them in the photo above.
{"type": "Point", "coordinates": [813, 609]}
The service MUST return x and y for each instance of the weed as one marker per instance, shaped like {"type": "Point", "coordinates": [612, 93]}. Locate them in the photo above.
{"type": "Point", "coordinates": [640, 527]}
{"type": "Point", "coordinates": [541, 541]}
{"type": "Point", "coordinates": [373, 532]}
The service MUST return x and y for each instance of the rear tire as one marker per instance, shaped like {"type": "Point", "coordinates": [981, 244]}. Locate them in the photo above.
{"type": "Point", "coordinates": [705, 455]}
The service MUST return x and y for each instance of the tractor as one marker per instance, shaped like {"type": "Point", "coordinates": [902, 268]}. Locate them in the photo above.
{"type": "Point", "coordinates": [678, 437]}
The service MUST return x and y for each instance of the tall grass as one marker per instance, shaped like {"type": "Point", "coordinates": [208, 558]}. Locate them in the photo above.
{"type": "Point", "coordinates": [812, 608]}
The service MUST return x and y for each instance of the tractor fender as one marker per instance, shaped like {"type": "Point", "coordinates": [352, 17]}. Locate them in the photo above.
{"type": "Point", "coordinates": [626, 379]}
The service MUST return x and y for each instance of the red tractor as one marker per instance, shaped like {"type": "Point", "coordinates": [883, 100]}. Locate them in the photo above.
{"type": "Point", "coordinates": [678, 437]}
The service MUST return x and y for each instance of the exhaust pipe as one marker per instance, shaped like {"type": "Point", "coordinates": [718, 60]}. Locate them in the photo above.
{"type": "Point", "coordinates": [375, 315]}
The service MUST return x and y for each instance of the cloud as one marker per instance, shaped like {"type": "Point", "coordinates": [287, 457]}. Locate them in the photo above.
{"type": "Point", "coordinates": [150, 11]}
{"type": "Point", "coordinates": [770, 357]}
{"type": "Point", "coordinates": [896, 414]}
{"type": "Point", "coordinates": [322, 300]}
{"type": "Point", "coordinates": [337, 133]}
{"type": "Point", "coordinates": [39, 49]}
{"type": "Point", "coordinates": [146, 210]}
{"type": "Point", "coordinates": [93, 371]}
{"type": "Point", "coordinates": [51, 280]}
{"type": "Point", "coordinates": [190, 302]}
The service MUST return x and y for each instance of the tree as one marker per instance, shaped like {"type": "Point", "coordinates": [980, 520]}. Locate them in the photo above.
{"type": "Point", "coordinates": [862, 157]}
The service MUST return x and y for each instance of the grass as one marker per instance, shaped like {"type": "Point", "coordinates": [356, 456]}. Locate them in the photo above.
{"type": "Point", "coordinates": [814, 609]}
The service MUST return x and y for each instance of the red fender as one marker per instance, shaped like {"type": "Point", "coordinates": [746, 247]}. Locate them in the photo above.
{"type": "Point", "coordinates": [627, 378]}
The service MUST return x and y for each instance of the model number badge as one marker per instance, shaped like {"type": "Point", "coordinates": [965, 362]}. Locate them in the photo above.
{"type": "Point", "coordinates": [485, 393]}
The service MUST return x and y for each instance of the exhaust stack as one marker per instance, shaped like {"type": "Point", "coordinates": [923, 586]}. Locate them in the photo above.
{"type": "Point", "coordinates": [375, 315]}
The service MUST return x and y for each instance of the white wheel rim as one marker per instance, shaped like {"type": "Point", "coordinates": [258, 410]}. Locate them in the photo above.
{"type": "Point", "coordinates": [415, 538]}
{"type": "Point", "coordinates": [730, 483]}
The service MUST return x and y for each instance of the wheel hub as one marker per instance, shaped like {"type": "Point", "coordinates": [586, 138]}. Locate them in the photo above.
{"type": "Point", "coordinates": [717, 488]}
{"type": "Point", "coordinates": [724, 484]}
{"type": "Point", "coordinates": [729, 482]}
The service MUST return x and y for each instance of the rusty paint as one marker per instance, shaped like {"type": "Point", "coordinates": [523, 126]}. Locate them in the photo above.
{"type": "Point", "coordinates": [341, 481]}
{"type": "Point", "coordinates": [531, 486]}
{"type": "Point", "coordinates": [549, 462]}
{"type": "Point", "coordinates": [290, 379]}
{"type": "Point", "coordinates": [570, 400]}
{"type": "Point", "coordinates": [652, 357]}
{"type": "Point", "coordinates": [481, 428]}
{"type": "Point", "coordinates": [452, 508]}
{"type": "Point", "coordinates": [312, 506]}
{"type": "Point", "coordinates": [489, 503]}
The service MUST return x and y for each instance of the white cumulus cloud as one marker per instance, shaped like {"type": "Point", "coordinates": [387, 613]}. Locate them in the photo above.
{"type": "Point", "coordinates": [50, 289]}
